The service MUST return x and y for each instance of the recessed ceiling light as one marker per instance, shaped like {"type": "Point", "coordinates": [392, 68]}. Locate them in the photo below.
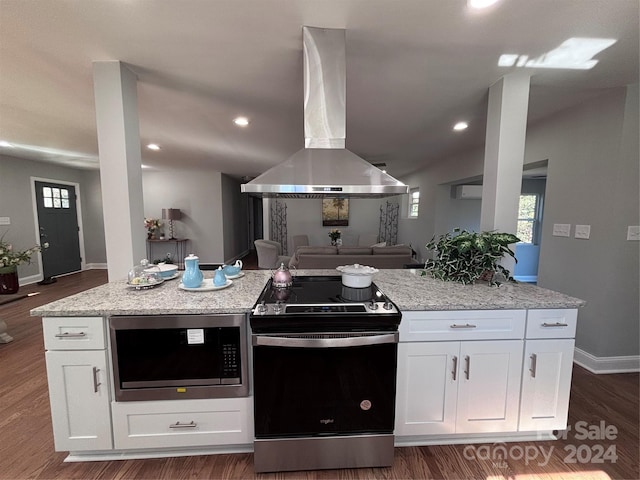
{"type": "Point", "coordinates": [458, 127]}
{"type": "Point", "coordinates": [241, 121]}
{"type": "Point", "coordinates": [153, 146]}
{"type": "Point", "coordinates": [478, 4]}
{"type": "Point", "coordinates": [4, 143]}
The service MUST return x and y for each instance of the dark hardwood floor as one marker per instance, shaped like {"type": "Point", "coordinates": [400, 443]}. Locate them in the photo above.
{"type": "Point", "coordinates": [26, 441]}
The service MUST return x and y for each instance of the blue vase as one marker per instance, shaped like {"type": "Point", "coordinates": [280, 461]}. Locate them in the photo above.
{"type": "Point", "coordinates": [192, 276]}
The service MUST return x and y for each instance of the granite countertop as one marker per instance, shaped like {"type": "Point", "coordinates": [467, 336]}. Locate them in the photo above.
{"type": "Point", "coordinates": [407, 288]}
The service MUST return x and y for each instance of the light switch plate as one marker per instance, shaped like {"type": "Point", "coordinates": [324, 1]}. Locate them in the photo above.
{"type": "Point", "coordinates": [633, 232]}
{"type": "Point", "coordinates": [561, 229]}
{"type": "Point", "coordinates": [582, 231]}
{"type": "Point", "coordinates": [5, 221]}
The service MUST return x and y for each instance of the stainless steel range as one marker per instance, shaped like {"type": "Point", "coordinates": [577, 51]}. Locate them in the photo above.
{"type": "Point", "coordinates": [324, 359]}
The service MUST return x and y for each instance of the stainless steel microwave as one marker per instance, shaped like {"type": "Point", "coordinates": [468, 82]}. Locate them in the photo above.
{"type": "Point", "coordinates": [168, 357]}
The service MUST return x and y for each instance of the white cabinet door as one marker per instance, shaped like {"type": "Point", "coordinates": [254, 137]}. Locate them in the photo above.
{"type": "Point", "coordinates": [489, 386]}
{"type": "Point", "coordinates": [78, 391]}
{"type": "Point", "coordinates": [427, 388]}
{"type": "Point", "coordinates": [546, 383]}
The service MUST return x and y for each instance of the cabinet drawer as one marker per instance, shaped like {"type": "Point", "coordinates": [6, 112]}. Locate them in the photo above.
{"type": "Point", "coordinates": [419, 326]}
{"type": "Point", "coordinates": [552, 323]}
{"type": "Point", "coordinates": [183, 423]}
{"type": "Point", "coordinates": [73, 333]}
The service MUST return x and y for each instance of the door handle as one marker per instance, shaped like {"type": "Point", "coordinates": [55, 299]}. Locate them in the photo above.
{"type": "Point", "coordinates": [467, 364]}
{"type": "Point", "coordinates": [96, 383]}
{"type": "Point", "coordinates": [454, 372]}
{"type": "Point", "coordinates": [534, 364]}
{"type": "Point", "coordinates": [191, 424]}
{"type": "Point", "coordinates": [71, 335]}
{"type": "Point", "coordinates": [319, 342]}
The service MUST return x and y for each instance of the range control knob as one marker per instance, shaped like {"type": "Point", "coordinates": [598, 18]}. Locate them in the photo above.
{"type": "Point", "coordinates": [262, 308]}
{"type": "Point", "coordinates": [373, 305]}
{"type": "Point", "coordinates": [277, 308]}
{"type": "Point", "coordinates": [388, 305]}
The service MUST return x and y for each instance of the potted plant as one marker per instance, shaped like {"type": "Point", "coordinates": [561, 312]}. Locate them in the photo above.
{"type": "Point", "coordinates": [152, 224]}
{"type": "Point", "coordinates": [463, 256]}
{"type": "Point", "coordinates": [335, 235]}
{"type": "Point", "coordinates": [9, 261]}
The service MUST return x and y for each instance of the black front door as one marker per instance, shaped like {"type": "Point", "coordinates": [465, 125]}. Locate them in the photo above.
{"type": "Point", "coordinates": [58, 223]}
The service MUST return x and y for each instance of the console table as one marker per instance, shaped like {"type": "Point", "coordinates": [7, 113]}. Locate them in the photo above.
{"type": "Point", "coordinates": [178, 245]}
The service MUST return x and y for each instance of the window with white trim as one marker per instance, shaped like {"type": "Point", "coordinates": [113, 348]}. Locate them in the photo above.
{"type": "Point", "coordinates": [528, 216]}
{"type": "Point", "coordinates": [414, 202]}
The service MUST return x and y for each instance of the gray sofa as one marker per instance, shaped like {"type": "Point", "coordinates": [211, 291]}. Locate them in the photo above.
{"type": "Point", "coordinates": [396, 256]}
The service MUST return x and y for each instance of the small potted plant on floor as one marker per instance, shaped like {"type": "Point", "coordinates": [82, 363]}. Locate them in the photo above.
{"type": "Point", "coordinates": [465, 257]}
{"type": "Point", "coordinates": [9, 261]}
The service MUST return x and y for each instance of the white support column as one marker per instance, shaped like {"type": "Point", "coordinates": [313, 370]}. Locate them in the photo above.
{"type": "Point", "coordinates": [504, 155]}
{"type": "Point", "coordinates": [120, 166]}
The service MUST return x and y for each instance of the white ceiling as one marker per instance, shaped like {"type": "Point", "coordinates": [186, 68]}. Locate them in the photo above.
{"type": "Point", "coordinates": [414, 67]}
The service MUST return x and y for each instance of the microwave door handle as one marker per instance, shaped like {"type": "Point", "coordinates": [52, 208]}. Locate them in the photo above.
{"type": "Point", "coordinates": [282, 341]}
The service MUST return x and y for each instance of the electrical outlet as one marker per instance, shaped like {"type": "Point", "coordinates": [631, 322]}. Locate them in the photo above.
{"type": "Point", "coordinates": [582, 231]}
{"type": "Point", "coordinates": [561, 229]}
{"type": "Point", "coordinates": [633, 232]}
{"type": "Point", "coordinates": [5, 221]}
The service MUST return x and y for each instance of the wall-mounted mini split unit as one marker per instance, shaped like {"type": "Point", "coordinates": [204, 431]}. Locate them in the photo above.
{"type": "Point", "coordinates": [468, 192]}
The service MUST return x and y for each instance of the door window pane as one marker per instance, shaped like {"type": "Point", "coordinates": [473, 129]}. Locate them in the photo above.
{"type": "Point", "coordinates": [527, 218]}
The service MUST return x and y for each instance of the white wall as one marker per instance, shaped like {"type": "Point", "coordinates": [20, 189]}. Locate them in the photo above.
{"type": "Point", "coordinates": [16, 203]}
{"type": "Point", "coordinates": [198, 195]}
{"type": "Point", "coordinates": [593, 179]}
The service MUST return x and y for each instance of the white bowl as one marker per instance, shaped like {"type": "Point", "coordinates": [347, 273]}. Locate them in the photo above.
{"type": "Point", "coordinates": [167, 270]}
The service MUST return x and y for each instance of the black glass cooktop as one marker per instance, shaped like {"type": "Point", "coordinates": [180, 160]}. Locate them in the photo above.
{"type": "Point", "coordinates": [322, 303]}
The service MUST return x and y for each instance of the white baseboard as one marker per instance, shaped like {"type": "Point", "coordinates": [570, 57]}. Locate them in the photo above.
{"type": "Point", "coordinates": [526, 278]}
{"type": "Point", "coordinates": [95, 266]}
{"type": "Point", "coordinates": [622, 364]}
{"type": "Point", "coordinates": [29, 280]}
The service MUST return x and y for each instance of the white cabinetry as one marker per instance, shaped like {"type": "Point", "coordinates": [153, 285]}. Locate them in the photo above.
{"type": "Point", "coordinates": [183, 423]}
{"type": "Point", "coordinates": [459, 372]}
{"type": "Point", "coordinates": [78, 383]}
{"type": "Point", "coordinates": [546, 375]}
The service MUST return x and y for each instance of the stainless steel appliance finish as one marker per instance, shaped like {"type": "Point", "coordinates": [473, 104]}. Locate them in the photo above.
{"type": "Point", "coordinates": [324, 376]}
{"type": "Point", "coordinates": [325, 168]}
{"type": "Point", "coordinates": [168, 357]}
{"type": "Point", "coordinates": [292, 454]}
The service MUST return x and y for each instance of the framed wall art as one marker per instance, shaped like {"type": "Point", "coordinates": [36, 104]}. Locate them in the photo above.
{"type": "Point", "coordinates": [335, 212]}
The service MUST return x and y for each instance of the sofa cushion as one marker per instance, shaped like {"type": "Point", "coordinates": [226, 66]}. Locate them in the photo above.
{"type": "Point", "coordinates": [317, 250]}
{"type": "Point", "coordinates": [354, 251]}
{"type": "Point", "coordinates": [381, 244]}
{"type": "Point", "coordinates": [392, 250]}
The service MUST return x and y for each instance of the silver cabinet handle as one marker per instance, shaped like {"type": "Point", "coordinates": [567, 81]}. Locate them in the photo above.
{"type": "Point", "coordinates": [466, 325]}
{"type": "Point", "coordinates": [96, 383]}
{"type": "Point", "coordinates": [347, 341]}
{"type": "Point", "coordinates": [191, 424]}
{"type": "Point", "coordinates": [557, 324]}
{"type": "Point", "coordinates": [467, 363]}
{"type": "Point", "coordinates": [454, 372]}
{"type": "Point", "coordinates": [534, 363]}
{"type": "Point", "coordinates": [71, 335]}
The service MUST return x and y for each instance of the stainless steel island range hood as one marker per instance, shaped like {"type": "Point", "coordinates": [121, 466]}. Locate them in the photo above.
{"type": "Point", "coordinates": [325, 168]}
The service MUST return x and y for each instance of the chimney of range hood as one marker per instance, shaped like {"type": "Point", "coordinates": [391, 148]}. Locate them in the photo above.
{"type": "Point", "coordinates": [325, 168]}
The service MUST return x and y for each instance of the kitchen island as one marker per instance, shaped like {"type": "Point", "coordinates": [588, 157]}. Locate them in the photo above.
{"type": "Point", "coordinates": [475, 363]}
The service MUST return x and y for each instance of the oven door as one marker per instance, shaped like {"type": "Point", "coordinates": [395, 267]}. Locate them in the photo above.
{"type": "Point", "coordinates": [324, 384]}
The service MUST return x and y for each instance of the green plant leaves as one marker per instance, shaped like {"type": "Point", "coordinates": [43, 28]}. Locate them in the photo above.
{"type": "Point", "coordinates": [463, 256]}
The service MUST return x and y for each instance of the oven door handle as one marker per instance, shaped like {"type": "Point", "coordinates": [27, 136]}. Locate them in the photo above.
{"type": "Point", "coordinates": [358, 341]}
